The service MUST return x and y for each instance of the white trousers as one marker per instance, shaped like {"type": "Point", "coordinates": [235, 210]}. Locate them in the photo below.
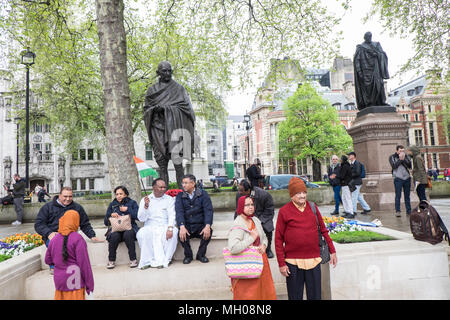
{"type": "Point", "coordinates": [347, 199]}
{"type": "Point", "coordinates": [155, 249]}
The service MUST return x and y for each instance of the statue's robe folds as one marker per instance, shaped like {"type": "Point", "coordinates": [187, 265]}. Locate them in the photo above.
{"type": "Point", "coordinates": [370, 68]}
{"type": "Point", "coordinates": [163, 125]}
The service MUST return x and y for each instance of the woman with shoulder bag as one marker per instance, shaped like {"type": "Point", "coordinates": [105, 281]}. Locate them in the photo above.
{"type": "Point", "coordinates": [247, 231]}
{"type": "Point", "coordinates": [297, 244]}
{"type": "Point", "coordinates": [118, 209]}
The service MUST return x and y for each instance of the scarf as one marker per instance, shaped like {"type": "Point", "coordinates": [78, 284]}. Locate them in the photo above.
{"type": "Point", "coordinates": [69, 222]}
{"type": "Point", "coordinates": [241, 206]}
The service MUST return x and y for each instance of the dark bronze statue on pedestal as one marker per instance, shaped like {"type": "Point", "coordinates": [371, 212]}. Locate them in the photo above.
{"type": "Point", "coordinates": [169, 119]}
{"type": "Point", "coordinates": [371, 68]}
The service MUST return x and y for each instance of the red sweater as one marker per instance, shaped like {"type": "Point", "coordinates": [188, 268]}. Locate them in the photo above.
{"type": "Point", "coordinates": [296, 235]}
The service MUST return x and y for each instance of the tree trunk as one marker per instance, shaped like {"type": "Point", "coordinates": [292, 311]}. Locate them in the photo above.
{"type": "Point", "coordinates": [116, 100]}
{"type": "Point", "coordinates": [317, 172]}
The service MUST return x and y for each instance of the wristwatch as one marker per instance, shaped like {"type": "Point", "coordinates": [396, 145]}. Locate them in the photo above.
{"type": "Point", "coordinates": [170, 228]}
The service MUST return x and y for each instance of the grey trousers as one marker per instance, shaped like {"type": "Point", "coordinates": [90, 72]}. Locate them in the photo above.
{"type": "Point", "coordinates": [18, 207]}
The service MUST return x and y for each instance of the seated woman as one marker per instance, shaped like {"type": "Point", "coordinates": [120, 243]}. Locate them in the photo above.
{"type": "Point", "coordinates": [120, 206]}
{"type": "Point", "coordinates": [261, 288]}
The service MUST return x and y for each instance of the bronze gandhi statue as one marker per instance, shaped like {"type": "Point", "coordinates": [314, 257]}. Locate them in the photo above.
{"type": "Point", "coordinates": [169, 119]}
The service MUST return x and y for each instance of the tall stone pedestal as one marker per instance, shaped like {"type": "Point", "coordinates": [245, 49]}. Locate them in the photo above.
{"type": "Point", "coordinates": [376, 133]}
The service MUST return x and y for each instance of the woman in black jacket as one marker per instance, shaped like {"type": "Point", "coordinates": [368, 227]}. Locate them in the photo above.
{"type": "Point", "coordinates": [120, 206]}
{"type": "Point", "coordinates": [345, 176]}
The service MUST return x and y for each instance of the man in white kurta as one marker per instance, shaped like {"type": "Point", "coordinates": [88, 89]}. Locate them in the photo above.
{"type": "Point", "coordinates": [158, 237]}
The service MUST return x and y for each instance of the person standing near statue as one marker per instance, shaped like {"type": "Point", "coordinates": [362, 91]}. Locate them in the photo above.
{"type": "Point", "coordinates": [370, 69]}
{"type": "Point", "coordinates": [169, 119]}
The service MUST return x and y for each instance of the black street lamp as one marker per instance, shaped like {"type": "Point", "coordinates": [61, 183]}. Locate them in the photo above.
{"type": "Point", "coordinates": [247, 121]}
{"type": "Point", "coordinates": [27, 60]}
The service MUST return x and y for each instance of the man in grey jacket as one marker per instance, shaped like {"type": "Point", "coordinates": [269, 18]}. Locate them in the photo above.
{"type": "Point", "coordinates": [264, 209]}
{"type": "Point", "coordinates": [18, 192]}
{"type": "Point", "coordinates": [401, 164]}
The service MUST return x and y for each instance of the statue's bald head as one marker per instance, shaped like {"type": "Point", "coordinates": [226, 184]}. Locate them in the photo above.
{"type": "Point", "coordinates": [164, 71]}
{"type": "Point", "coordinates": [368, 36]}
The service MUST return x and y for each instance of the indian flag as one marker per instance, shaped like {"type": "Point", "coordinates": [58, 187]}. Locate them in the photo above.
{"type": "Point", "coordinates": [144, 169]}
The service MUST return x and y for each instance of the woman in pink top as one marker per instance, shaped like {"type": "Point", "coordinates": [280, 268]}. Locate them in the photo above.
{"type": "Point", "coordinates": [67, 251]}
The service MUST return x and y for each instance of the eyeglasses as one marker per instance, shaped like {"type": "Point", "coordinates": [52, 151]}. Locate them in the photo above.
{"type": "Point", "coordinates": [249, 205]}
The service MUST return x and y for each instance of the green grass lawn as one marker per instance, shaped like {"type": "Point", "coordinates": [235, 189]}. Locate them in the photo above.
{"type": "Point", "coordinates": [358, 236]}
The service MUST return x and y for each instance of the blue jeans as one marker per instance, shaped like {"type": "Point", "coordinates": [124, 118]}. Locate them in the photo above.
{"type": "Point", "coordinates": [400, 184]}
{"type": "Point", "coordinates": [337, 197]}
{"type": "Point", "coordinates": [357, 197]}
{"type": "Point", "coordinates": [421, 192]}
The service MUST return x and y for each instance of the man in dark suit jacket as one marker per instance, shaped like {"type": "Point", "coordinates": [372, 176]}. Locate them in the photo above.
{"type": "Point", "coordinates": [264, 209]}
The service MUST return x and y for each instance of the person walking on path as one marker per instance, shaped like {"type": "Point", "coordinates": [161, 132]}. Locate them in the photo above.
{"type": "Point", "coordinates": [297, 244]}
{"type": "Point", "coordinates": [357, 182]}
{"type": "Point", "coordinates": [122, 205]}
{"type": "Point", "coordinates": [67, 252]}
{"type": "Point", "coordinates": [401, 164]}
{"type": "Point", "coordinates": [264, 209]}
{"type": "Point", "coordinates": [18, 192]}
{"type": "Point", "coordinates": [194, 215]}
{"type": "Point", "coordinates": [419, 172]}
{"type": "Point", "coordinates": [42, 193]}
{"type": "Point", "coordinates": [345, 176]}
{"type": "Point", "coordinates": [333, 173]}
{"type": "Point", "coordinates": [254, 173]}
{"type": "Point", "coordinates": [261, 288]}
{"type": "Point", "coordinates": [158, 237]}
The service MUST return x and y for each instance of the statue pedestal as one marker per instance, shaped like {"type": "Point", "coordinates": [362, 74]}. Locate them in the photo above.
{"type": "Point", "coordinates": [375, 136]}
{"type": "Point", "coordinates": [199, 168]}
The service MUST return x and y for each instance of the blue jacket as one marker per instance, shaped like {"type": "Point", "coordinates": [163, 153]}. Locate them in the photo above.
{"type": "Point", "coordinates": [132, 210]}
{"type": "Point", "coordinates": [198, 211]}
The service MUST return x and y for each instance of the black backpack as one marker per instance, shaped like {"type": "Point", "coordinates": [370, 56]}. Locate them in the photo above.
{"type": "Point", "coordinates": [9, 199]}
{"type": "Point", "coordinates": [426, 224]}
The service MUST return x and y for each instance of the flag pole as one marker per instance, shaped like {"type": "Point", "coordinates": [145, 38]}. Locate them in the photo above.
{"type": "Point", "coordinates": [144, 187]}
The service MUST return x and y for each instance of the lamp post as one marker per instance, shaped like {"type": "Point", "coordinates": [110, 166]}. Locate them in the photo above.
{"type": "Point", "coordinates": [247, 121]}
{"type": "Point", "coordinates": [17, 119]}
{"type": "Point", "coordinates": [27, 60]}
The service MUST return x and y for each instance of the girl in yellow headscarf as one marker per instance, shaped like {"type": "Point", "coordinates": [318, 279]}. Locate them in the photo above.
{"type": "Point", "coordinates": [67, 251]}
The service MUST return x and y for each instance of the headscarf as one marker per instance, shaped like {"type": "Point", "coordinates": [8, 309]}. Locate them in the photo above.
{"type": "Point", "coordinates": [241, 206]}
{"type": "Point", "coordinates": [69, 222]}
{"type": "Point", "coordinates": [295, 186]}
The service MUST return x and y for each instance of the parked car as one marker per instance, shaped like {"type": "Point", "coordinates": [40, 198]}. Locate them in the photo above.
{"type": "Point", "coordinates": [281, 181]}
{"type": "Point", "coordinates": [223, 181]}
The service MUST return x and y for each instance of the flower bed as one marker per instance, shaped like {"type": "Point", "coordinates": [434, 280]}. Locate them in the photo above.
{"type": "Point", "coordinates": [341, 231]}
{"type": "Point", "coordinates": [17, 244]}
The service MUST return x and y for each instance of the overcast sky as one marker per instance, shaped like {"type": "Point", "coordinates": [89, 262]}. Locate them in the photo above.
{"type": "Point", "coordinates": [398, 50]}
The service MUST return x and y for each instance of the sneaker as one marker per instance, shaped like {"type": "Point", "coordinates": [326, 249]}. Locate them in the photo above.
{"type": "Point", "coordinates": [111, 265]}
{"type": "Point", "coordinates": [145, 267]}
{"type": "Point", "coordinates": [397, 214]}
{"type": "Point", "coordinates": [16, 223]}
{"type": "Point", "coordinates": [133, 264]}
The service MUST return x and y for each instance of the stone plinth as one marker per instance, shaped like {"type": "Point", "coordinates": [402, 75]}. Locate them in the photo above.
{"type": "Point", "coordinates": [375, 136]}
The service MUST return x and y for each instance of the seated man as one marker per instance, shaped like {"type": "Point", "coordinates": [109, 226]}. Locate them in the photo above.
{"type": "Point", "coordinates": [194, 212]}
{"type": "Point", "coordinates": [158, 237]}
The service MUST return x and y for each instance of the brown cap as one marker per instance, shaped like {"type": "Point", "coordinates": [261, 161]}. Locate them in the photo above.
{"type": "Point", "coordinates": [295, 186]}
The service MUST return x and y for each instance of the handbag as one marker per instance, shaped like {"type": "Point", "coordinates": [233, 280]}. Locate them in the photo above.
{"type": "Point", "coordinates": [121, 223]}
{"type": "Point", "coordinates": [323, 245]}
{"type": "Point", "coordinates": [429, 185]}
{"type": "Point", "coordinates": [247, 264]}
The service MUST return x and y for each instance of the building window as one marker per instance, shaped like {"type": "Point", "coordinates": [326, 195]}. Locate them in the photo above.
{"type": "Point", "coordinates": [90, 154]}
{"type": "Point", "coordinates": [148, 152]}
{"type": "Point", "coordinates": [75, 157]}
{"type": "Point", "coordinates": [416, 117]}
{"type": "Point", "coordinates": [82, 155]}
{"type": "Point", "coordinates": [430, 125]}
{"type": "Point", "coordinates": [46, 127]}
{"type": "Point", "coordinates": [99, 155]}
{"type": "Point", "coordinates": [418, 137]}
{"type": "Point", "coordinates": [435, 161]}
{"type": "Point", "coordinates": [429, 108]}
{"type": "Point", "coordinates": [83, 184]}
{"type": "Point", "coordinates": [149, 181]}
{"type": "Point", "coordinates": [91, 183]}
{"type": "Point", "coordinates": [74, 184]}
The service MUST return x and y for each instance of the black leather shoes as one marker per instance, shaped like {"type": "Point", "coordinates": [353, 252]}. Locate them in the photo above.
{"type": "Point", "coordinates": [335, 213]}
{"type": "Point", "coordinates": [365, 211]}
{"type": "Point", "coordinates": [203, 259]}
{"type": "Point", "coordinates": [187, 260]}
{"type": "Point", "coordinates": [269, 254]}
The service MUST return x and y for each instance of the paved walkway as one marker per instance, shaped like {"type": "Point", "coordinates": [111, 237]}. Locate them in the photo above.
{"type": "Point", "coordinates": [388, 219]}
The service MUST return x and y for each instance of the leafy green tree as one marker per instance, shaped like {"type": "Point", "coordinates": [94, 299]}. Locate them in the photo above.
{"type": "Point", "coordinates": [311, 129]}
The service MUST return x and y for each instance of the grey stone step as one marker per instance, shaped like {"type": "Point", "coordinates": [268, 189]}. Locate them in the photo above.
{"type": "Point", "coordinates": [204, 281]}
